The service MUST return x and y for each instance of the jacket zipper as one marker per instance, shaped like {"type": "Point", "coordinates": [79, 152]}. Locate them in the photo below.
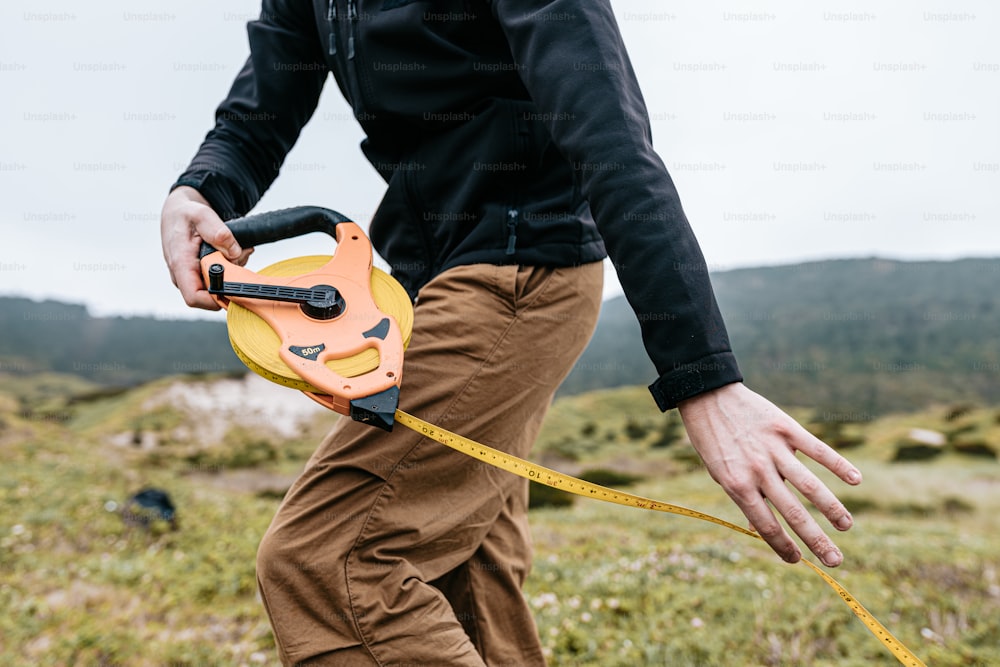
{"type": "Point", "coordinates": [352, 16]}
{"type": "Point", "coordinates": [513, 216]}
{"type": "Point", "coordinates": [331, 17]}
{"type": "Point", "coordinates": [343, 17]}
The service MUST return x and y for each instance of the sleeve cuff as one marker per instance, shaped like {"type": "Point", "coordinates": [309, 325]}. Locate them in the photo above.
{"type": "Point", "coordinates": [223, 195]}
{"type": "Point", "coordinates": [689, 380]}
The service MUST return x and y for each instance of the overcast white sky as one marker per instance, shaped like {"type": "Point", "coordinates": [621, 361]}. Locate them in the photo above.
{"type": "Point", "coordinates": [794, 130]}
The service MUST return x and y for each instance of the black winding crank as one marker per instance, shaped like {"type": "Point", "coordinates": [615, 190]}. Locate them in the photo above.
{"type": "Point", "coordinates": [322, 302]}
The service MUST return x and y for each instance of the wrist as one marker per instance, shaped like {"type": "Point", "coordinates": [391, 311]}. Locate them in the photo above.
{"type": "Point", "coordinates": [187, 193]}
{"type": "Point", "coordinates": [699, 403]}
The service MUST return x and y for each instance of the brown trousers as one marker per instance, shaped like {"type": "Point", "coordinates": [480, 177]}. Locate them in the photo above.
{"type": "Point", "coordinates": [391, 549]}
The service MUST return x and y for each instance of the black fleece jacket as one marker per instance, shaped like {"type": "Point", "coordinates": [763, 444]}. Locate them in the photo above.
{"type": "Point", "coordinates": [508, 132]}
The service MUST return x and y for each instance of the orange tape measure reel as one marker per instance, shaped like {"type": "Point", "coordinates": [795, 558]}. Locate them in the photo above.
{"type": "Point", "coordinates": [331, 322]}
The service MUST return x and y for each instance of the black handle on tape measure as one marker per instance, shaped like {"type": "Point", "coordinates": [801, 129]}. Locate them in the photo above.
{"type": "Point", "coordinates": [274, 226]}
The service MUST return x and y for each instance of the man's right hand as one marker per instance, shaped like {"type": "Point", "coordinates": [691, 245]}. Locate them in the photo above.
{"type": "Point", "coordinates": [185, 221]}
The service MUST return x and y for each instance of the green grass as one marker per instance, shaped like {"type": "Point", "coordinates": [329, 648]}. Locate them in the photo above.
{"type": "Point", "coordinates": [614, 586]}
{"type": "Point", "coordinates": [610, 585]}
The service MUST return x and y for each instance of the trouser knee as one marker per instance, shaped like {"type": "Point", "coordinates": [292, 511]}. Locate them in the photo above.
{"type": "Point", "coordinates": [285, 568]}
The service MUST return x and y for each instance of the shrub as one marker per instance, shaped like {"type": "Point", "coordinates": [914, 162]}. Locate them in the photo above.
{"type": "Point", "coordinates": [607, 477]}
{"type": "Point", "coordinates": [540, 496]}
{"type": "Point", "coordinates": [976, 448]}
{"type": "Point", "coordinates": [908, 452]}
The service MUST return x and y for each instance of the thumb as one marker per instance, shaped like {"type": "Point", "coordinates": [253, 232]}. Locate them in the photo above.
{"type": "Point", "coordinates": [215, 233]}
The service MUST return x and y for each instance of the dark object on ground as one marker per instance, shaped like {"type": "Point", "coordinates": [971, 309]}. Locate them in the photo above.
{"type": "Point", "coordinates": [148, 506]}
{"type": "Point", "coordinates": [907, 452]}
{"type": "Point", "coordinates": [976, 448]}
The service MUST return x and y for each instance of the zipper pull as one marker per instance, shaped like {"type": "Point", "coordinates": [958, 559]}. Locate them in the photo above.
{"type": "Point", "coordinates": [512, 218]}
{"type": "Point", "coordinates": [352, 15]}
{"type": "Point", "coordinates": [331, 17]}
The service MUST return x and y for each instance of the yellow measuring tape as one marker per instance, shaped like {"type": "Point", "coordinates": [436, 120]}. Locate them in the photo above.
{"type": "Point", "coordinates": [558, 480]}
{"type": "Point", "coordinates": [256, 344]}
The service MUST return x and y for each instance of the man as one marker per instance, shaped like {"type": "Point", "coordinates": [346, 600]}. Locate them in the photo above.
{"type": "Point", "coordinates": [516, 150]}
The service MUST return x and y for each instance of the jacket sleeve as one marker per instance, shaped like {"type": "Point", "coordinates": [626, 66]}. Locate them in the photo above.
{"type": "Point", "coordinates": [573, 62]}
{"type": "Point", "coordinates": [272, 98]}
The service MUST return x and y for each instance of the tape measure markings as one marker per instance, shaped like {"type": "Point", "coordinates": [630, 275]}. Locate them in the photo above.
{"type": "Point", "coordinates": [558, 480]}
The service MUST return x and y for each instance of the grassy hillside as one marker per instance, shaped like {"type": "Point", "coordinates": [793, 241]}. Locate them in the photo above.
{"type": "Point", "coordinates": [853, 337]}
{"type": "Point", "coordinates": [847, 336]}
{"type": "Point", "coordinates": [611, 585]}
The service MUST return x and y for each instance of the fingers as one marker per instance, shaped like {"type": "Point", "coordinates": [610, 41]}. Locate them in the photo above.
{"type": "Point", "coordinates": [792, 472]}
{"type": "Point", "coordinates": [192, 287]}
{"type": "Point", "coordinates": [185, 222]}
{"type": "Point", "coordinates": [210, 228]}
{"type": "Point", "coordinates": [805, 526]}
{"type": "Point", "coordinates": [825, 455]}
{"type": "Point", "coordinates": [810, 486]}
{"type": "Point", "coordinates": [757, 506]}
{"type": "Point", "coordinates": [775, 492]}
{"type": "Point", "coordinates": [814, 490]}
{"type": "Point", "coordinates": [763, 521]}
{"type": "Point", "coordinates": [241, 260]}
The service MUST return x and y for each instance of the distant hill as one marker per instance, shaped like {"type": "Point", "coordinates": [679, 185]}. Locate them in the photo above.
{"type": "Point", "coordinates": [853, 337]}
{"type": "Point", "coordinates": [38, 336]}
